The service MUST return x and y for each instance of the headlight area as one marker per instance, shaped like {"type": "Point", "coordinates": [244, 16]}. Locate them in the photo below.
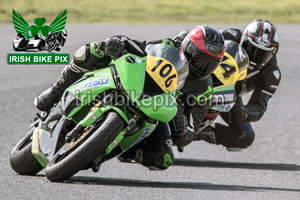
{"type": "Point", "coordinates": [69, 103]}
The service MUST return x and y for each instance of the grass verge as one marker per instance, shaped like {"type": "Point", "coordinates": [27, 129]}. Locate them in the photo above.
{"type": "Point", "coordinates": [155, 11]}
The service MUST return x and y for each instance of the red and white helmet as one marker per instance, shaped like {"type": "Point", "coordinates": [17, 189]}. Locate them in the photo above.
{"type": "Point", "coordinates": [203, 49]}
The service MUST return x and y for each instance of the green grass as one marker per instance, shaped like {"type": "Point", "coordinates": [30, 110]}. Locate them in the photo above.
{"type": "Point", "coordinates": [155, 11]}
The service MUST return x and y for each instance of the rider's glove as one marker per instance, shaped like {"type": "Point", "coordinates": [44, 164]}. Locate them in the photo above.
{"type": "Point", "coordinates": [239, 110]}
{"type": "Point", "coordinates": [185, 134]}
{"type": "Point", "coordinates": [182, 134]}
{"type": "Point", "coordinates": [181, 123]}
{"type": "Point", "coordinates": [114, 47]}
{"type": "Point", "coordinates": [169, 42]}
{"type": "Point", "coordinates": [180, 37]}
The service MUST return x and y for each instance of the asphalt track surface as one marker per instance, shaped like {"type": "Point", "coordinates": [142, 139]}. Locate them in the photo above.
{"type": "Point", "coordinates": [269, 169]}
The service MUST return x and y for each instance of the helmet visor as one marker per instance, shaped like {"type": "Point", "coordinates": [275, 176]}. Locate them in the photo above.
{"type": "Point", "coordinates": [202, 64]}
{"type": "Point", "coordinates": [258, 57]}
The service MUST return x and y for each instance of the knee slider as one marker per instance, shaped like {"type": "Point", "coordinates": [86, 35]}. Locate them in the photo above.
{"type": "Point", "coordinates": [163, 161]}
{"type": "Point", "coordinates": [163, 158]}
{"type": "Point", "coordinates": [246, 139]}
{"type": "Point", "coordinates": [87, 58]}
{"type": "Point", "coordinates": [81, 54]}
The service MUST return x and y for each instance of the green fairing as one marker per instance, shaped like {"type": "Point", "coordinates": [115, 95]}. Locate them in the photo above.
{"type": "Point", "coordinates": [133, 139]}
{"type": "Point", "coordinates": [86, 92]}
{"type": "Point", "coordinates": [134, 83]}
{"type": "Point", "coordinates": [88, 120]}
{"type": "Point", "coordinates": [161, 107]}
{"type": "Point", "coordinates": [114, 143]}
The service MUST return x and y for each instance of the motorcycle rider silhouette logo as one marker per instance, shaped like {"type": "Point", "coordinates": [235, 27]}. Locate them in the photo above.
{"type": "Point", "coordinates": [39, 36]}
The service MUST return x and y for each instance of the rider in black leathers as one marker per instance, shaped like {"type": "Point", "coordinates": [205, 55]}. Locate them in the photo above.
{"type": "Point", "coordinates": [195, 96]}
{"type": "Point", "coordinates": [260, 40]}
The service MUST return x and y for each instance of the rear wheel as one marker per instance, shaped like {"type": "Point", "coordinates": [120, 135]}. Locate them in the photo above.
{"type": "Point", "coordinates": [79, 154]}
{"type": "Point", "coordinates": [21, 159]}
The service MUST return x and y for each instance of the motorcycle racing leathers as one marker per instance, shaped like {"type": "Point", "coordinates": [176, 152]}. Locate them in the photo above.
{"type": "Point", "coordinates": [193, 104]}
{"type": "Point", "coordinates": [239, 133]}
{"type": "Point", "coordinates": [264, 82]}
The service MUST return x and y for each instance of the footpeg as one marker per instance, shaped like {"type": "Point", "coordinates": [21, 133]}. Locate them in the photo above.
{"type": "Point", "coordinates": [96, 168]}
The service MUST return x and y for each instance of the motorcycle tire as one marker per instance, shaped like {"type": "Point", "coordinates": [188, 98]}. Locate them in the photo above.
{"type": "Point", "coordinates": [67, 163]}
{"type": "Point", "coordinates": [21, 159]}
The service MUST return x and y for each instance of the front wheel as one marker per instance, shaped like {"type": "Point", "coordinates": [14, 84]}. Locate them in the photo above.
{"type": "Point", "coordinates": [79, 154]}
{"type": "Point", "coordinates": [21, 159]}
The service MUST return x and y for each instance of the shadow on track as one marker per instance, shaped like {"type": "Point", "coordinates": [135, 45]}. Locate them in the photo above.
{"type": "Point", "coordinates": [174, 185]}
{"type": "Point", "coordinates": [222, 164]}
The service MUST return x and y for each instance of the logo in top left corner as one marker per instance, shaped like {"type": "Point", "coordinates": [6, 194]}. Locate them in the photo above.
{"type": "Point", "coordinates": [39, 37]}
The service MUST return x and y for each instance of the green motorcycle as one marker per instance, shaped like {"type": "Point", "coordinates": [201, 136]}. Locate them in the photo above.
{"type": "Point", "coordinates": [103, 114]}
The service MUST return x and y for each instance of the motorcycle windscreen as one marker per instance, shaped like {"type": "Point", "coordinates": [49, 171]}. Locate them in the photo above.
{"type": "Point", "coordinates": [234, 65]}
{"type": "Point", "coordinates": [165, 73]}
{"type": "Point", "coordinates": [167, 66]}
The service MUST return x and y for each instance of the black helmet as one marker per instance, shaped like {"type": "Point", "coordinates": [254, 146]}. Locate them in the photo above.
{"type": "Point", "coordinates": [203, 49]}
{"type": "Point", "coordinates": [260, 41]}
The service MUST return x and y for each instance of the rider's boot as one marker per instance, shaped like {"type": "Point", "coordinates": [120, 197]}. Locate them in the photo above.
{"type": "Point", "coordinates": [52, 95]}
{"type": "Point", "coordinates": [208, 134]}
{"type": "Point", "coordinates": [127, 156]}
